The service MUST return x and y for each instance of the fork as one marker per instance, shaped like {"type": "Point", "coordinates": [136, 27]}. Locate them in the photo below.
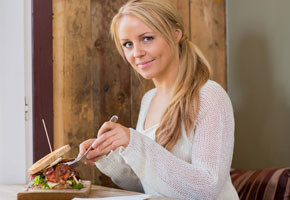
{"type": "Point", "coordinates": [114, 118]}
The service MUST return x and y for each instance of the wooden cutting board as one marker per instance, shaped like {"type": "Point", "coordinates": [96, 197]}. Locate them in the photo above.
{"type": "Point", "coordinates": [64, 194]}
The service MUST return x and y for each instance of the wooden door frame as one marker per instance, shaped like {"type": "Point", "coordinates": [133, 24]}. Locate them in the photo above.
{"type": "Point", "coordinates": [42, 84]}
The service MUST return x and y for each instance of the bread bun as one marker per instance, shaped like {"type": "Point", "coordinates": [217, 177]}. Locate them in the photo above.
{"type": "Point", "coordinates": [48, 159]}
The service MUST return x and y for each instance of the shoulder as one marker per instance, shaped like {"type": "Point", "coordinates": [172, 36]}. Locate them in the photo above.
{"type": "Point", "coordinates": [214, 97]}
{"type": "Point", "coordinates": [212, 89]}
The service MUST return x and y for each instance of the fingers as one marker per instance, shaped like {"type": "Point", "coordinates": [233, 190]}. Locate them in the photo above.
{"type": "Point", "coordinates": [116, 144]}
{"type": "Point", "coordinates": [106, 150]}
{"type": "Point", "coordinates": [103, 138]}
{"type": "Point", "coordinates": [85, 145]}
{"type": "Point", "coordinates": [110, 136]}
{"type": "Point", "coordinates": [108, 141]}
{"type": "Point", "coordinates": [102, 145]}
{"type": "Point", "coordinates": [92, 161]}
{"type": "Point", "coordinates": [107, 126]}
{"type": "Point", "coordinates": [120, 136]}
{"type": "Point", "coordinates": [93, 155]}
{"type": "Point", "coordinates": [112, 142]}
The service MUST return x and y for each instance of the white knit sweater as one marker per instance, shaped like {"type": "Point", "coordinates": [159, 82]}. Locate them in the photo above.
{"type": "Point", "coordinates": [198, 167]}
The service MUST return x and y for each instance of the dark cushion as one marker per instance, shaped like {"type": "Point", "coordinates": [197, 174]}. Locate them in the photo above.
{"type": "Point", "coordinates": [265, 184]}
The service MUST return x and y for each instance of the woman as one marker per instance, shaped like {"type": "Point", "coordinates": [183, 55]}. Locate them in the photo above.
{"type": "Point", "coordinates": [183, 144]}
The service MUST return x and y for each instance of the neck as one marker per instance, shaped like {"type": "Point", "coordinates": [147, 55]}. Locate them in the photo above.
{"type": "Point", "coordinates": [165, 83]}
{"type": "Point", "coordinates": [164, 87]}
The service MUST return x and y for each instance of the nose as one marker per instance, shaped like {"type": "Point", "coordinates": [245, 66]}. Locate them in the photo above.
{"type": "Point", "coordinates": [138, 51]}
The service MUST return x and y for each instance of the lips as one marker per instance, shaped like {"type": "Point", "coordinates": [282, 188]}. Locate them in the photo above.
{"type": "Point", "coordinates": [145, 64]}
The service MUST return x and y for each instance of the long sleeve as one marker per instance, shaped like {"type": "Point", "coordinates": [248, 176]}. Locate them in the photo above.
{"type": "Point", "coordinates": [121, 174]}
{"type": "Point", "coordinates": [164, 174]}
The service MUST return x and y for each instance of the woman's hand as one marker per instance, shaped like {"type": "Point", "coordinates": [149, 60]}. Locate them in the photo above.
{"type": "Point", "coordinates": [110, 136]}
{"type": "Point", "coordinates": [83, 147]}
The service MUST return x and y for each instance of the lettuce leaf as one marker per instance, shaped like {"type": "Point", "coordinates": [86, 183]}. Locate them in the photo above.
{"type": "Point", "coordinates": [38, 180]}
{"type": "Point", "coordinates": [45, 186]}
{"type": "Point", "coordinates": [77, 186]}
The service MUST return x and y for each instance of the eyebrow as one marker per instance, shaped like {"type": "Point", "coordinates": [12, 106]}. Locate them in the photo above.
{"type": "Point", "coordinates": [138, 36]}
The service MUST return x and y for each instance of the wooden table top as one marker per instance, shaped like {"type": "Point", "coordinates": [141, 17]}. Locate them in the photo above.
{"type": "Point", "coordinates": [9, 192]}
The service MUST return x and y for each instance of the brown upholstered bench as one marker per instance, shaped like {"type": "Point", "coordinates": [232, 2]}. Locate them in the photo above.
{"type": "Point", "coordinates": [264, 184]}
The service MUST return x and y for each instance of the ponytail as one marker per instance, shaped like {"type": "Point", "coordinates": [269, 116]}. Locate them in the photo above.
{"type": "Point", "coordinates": [194, 71]}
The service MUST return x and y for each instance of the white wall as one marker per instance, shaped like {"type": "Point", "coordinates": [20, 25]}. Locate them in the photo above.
{"type": "Point", "coordinates": [259, 83]}
{"type": "Point", "coordinates": [15, 57]}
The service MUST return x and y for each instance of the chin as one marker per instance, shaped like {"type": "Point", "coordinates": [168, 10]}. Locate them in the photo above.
{"type": "Point", "coordinates": [147, 76]}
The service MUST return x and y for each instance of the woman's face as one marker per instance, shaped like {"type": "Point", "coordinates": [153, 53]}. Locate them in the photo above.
{"type": "Point", "coordinates": [146, 51]}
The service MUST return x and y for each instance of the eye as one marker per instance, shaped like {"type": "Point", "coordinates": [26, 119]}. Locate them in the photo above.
{"type": "Point", "coordinates": [148, 38]}
{"type": "Point", "coordinates": [127, 44]}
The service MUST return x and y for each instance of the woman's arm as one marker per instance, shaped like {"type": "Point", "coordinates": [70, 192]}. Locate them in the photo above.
{"type": "Point", "coordinates": [212, 151]}
{"type": "Point", "coordinates": [111, 163]}
{"type": "Point", "coordinates": [114, 166]}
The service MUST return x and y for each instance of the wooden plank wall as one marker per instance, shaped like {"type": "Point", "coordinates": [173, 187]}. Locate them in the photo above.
{"type": "Point", "coordinates": [208, 31]}
{"type": "Point", "coordinates": [205, 21]}
{"type": "Point", "coordinates": [92, 82]}
{"type": "Point", "coordinates": [73, 77]}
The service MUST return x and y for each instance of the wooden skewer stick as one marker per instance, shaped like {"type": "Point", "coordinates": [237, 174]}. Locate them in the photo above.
{"type": "Point", "coordinates": [47, 135]}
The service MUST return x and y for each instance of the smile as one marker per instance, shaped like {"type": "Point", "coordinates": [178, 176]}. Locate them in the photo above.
{"type": "Point", "coordinates": [143, 65]}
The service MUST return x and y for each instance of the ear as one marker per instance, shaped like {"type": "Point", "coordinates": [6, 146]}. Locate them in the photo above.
{"type": "Point", "coordinates": [178, 35]}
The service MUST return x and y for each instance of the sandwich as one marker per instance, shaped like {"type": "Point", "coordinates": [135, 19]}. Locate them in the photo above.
{"type": "Point", "coordinates": [52, 172]}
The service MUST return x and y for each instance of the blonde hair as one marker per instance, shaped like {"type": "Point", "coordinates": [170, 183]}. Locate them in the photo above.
{"type": "Point", "coordinates": [193, 73]}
